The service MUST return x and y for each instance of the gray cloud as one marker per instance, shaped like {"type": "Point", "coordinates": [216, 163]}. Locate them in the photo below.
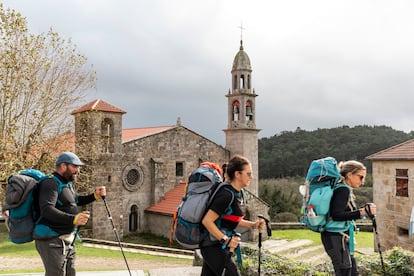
{"type": "Point", "coordinates": [316, 64]}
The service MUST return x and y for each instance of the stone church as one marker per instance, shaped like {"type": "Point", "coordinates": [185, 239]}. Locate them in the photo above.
{"type": "Point", "coordinates": [145, 169]}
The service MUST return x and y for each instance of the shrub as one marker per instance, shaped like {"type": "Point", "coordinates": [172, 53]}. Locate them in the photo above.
{"type": "Point", "coordinates": [274, 264]}
{"type": "Point", "coordinates": [286, 217]}
{"type": "Point", "coordinates": [397, 261]}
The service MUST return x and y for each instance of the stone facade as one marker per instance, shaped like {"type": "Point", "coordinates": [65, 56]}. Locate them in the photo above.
{"type": "Point", "coordinates": [99, 144]}
{"type": "Point", "coordinates": [160, 224]}
{"type": "Point", "coordinates": [393, 212]}
{"type": "Point", "coordinates": [157, 156]}
{"type": "Point", "coordinates": [141, 174]}
{"type": "Point", "coordinates": [245, 143]}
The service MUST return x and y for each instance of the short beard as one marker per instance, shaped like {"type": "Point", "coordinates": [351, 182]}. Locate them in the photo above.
{"type": "Point", "coordinates": [69, 176]}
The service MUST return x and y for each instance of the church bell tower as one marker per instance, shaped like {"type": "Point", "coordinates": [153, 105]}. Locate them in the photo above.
{"type": "Point", "coordinates": [241, 132]}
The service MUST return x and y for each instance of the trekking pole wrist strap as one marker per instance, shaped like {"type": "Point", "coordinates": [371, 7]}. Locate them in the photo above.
{"type": "Point", "coordinates": [225, 240]}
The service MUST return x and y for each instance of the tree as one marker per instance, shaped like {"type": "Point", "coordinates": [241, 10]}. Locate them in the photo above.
{"type": "Point", "coordinates": [42, 79]}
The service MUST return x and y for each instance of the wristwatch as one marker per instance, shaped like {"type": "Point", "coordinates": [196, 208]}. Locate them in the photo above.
{"type": "Point", "coordinates": [224, 239]}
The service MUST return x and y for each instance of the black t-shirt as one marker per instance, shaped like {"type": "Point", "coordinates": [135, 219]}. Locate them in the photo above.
{"type": "Point", "coordinates": [230, 216]}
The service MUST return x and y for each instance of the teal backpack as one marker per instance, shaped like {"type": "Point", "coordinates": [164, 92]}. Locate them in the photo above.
{"type": "Point", "coordinates": [21, 194]}
{"type": "Point", "coordinates": [23, 206]}
{"type": "Point", "coordinates": [321, 181]}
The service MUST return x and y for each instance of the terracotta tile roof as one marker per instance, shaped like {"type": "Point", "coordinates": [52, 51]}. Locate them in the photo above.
{"type": "Point", "coordinates": [403, 151]}
{"type": "Point", "coordinates": [54, 146]}
{"type": "Point", "coordinates": [98, 105]}
{"type": "Point", "coordinates": [135, 133]}
{"type": "Point", "coordinates": [170, 202]}
{"type": "Point", "coordinates": [67, 141]}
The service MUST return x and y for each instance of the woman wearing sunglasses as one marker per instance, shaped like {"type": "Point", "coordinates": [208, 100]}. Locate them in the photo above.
{"type": "Point", "coordinates": [225, 213]}
{"type": "Point", "coordinates": [338, 238]}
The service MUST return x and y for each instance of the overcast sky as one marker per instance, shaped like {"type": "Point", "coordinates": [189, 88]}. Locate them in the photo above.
{"type": "Point", "coordinates": [316, 64]}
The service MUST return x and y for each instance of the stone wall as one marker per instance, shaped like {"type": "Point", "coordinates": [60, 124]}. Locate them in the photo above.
{"type": "Point", "coordinates": [102, 155]}
{"type": "Point", "coordinates": [245, 143]}
{"type": "Point", "coordinates": [393, 212]}
{"type": "Point", "coordinates": [160, 224]}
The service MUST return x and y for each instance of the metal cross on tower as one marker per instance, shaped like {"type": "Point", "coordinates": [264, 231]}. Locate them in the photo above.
{"type": "Point", "coordinates": [241, 30]}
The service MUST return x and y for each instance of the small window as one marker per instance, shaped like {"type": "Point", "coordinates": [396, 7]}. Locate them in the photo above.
{"type": "Point", "coordinates": [179, 169]}
{"type": "Point", "coordinates": [107, 129]}
{"type": "Point", "coordinates": [401, 180]}
{"type": "Point", "coordinates": [402, 232]}
{"type": "Point", "coordinates": [133, 219]}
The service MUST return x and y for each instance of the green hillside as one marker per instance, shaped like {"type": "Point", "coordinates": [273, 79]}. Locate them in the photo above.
{"type": "Point", "coordinates": [284, 160]}
{"type": "Point", "coordinates": [289, 153]}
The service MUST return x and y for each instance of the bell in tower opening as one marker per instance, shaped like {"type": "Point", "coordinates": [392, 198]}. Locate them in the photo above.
{"type": "Point", "coordinates": [236, 110]}
{"type": "Point", "coordinates": [249, 111]}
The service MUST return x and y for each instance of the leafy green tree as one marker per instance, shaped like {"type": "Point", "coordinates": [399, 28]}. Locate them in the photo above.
{"type": "Point", "coordinates": [42, 78]}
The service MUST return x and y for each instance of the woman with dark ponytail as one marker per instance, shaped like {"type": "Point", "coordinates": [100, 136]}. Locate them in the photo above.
{"type": "Point", "coordinates": [223, 216]}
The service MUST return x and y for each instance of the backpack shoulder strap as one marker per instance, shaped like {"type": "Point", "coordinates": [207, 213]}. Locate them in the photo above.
{"type": "Point", "coordinates": [219, 186]}
{"type": "Point", "coordinates": [60, 186]}
{"type": "Point", "coordinates": [227, 188]}
{"type": "Point", "coordinates": [341, 184]}
{"type": "Point", "coordinates": [232, 194]}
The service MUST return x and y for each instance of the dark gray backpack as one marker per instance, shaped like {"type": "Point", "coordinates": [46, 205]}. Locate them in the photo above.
{"type": "Point", "coordinates": [203, 184]}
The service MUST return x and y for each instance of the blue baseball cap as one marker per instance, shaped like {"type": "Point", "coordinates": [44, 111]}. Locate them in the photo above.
{"type": "Point", "coordinates": [69, 158]}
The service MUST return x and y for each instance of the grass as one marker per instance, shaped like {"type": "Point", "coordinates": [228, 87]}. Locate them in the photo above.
{"type": "Point", "coordinates": [9, 249]}
{"type": "Point", "coordinates": [363, 239]}
{"type": "Point", "coordinates": [28, 249]}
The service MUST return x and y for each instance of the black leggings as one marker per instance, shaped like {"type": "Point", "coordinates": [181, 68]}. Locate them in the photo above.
{"type": "Point", "coordinates": [337, 248]}
{"type": "Point", "coordinates": [215, 259]}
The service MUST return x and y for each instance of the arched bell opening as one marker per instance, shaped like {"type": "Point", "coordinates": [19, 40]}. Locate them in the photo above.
{"type": "Point", "coordinates": [249, 111]}
{"type": "Point", "coordinates": [236, 110]}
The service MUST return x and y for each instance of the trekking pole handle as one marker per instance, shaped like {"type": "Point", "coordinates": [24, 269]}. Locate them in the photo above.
{"type": "Point", "coordinates": [234, 235]}
{"type": "Point", "coordinates": [262, 217]}
{"type": "Point", "coordinates": [268, 226]}
{"type": "Point", "coordinates": [367, 209]}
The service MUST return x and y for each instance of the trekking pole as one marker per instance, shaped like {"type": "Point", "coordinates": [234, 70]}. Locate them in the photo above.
{"type": "Point", "coordinates": [72, 244]}
{"type": "Point", "coordinates": [269, 233]}
{"type": "Point", "coordinates": [231, 251]}
{"type": "Point", "coordinates": [116, 233]}
{"type": "Point", "coordinates": [260, 253]}
{"type": "Point", "coordinates": [374, 225]}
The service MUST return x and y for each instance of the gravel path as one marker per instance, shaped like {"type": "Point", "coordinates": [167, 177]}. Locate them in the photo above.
{"type": "Point", "coordinates": [87, 263]}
